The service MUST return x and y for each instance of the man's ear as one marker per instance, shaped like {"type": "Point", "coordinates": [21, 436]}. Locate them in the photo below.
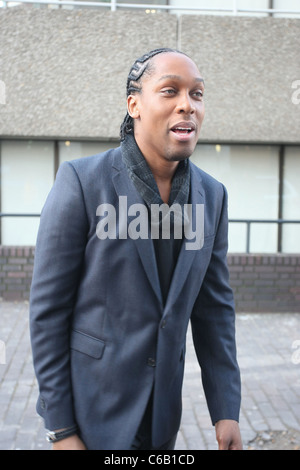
{"type": "Point", "coordinates": [132, 106]}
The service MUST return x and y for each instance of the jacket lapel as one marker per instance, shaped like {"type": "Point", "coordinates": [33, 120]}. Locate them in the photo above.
{"type": "Point", "coordinates": [145, 248]}
{"type": "Point", "coordinates": [186, 257]}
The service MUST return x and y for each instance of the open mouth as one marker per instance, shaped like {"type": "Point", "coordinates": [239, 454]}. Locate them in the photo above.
{"type": "Point", "coordinates": [183, 130]}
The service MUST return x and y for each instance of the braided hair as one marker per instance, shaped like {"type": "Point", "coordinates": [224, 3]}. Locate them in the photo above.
{"type": "Point", "coordinates": [139, 68]}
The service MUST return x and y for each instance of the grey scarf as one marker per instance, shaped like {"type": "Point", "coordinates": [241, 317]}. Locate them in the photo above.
{"type": "Point", "coordinates": [166, 250]}
{"type": "Point", "coordinates": [144, 181]}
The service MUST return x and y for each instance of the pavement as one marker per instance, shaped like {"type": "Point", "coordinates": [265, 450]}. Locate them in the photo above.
{"type": "Point", "coordinates": [269, 359]}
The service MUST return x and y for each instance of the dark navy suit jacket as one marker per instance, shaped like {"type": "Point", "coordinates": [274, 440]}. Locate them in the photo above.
{"type": "Point", "coordinates": [102, 339]}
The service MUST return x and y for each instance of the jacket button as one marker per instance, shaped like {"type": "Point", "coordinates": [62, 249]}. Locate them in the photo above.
{"type": "Point", "coordinates": [151, 362]}
{"type": "Point", "coordinates": [163, 324]}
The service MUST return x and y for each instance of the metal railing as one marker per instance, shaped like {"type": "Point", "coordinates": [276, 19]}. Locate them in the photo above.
{"type": "Point", "coordinates": [18, 215]}
{"type": "Point", "coordinates": [247, 222]}
{"type": "Point", "coordinates": [2, 214]}
{"type": "Point", "coordinates": [113, 5]}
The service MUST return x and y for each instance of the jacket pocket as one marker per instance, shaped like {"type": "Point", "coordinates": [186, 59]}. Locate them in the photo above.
{"type": "Point", "coordinates": [86, 344]}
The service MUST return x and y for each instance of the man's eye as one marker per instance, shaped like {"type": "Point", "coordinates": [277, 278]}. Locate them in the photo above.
{"type": "Point", "coordinates": [198, 94]}
{"type": "Point", "coordinates": [169, 91]}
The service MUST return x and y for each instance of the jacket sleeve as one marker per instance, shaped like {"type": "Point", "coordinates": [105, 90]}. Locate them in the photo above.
{"type": "Point", "coordinates": [213, 329]}
{"type": "Point", "coordinates": [58, 259]}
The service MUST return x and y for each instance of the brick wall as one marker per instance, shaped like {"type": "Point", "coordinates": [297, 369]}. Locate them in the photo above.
{"type": "Point", "coordinates": [261, 283]}
{"type": "Point", "coordinates": [16, 266]}
{"type": "Point", "coordinates": [265, 283]}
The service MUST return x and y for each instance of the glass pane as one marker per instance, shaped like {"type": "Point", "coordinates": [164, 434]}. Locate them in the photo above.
{"type": "Point", "coordinates": [291, 200]}
{"type": "Point", "coordinates": [292, 5]}
{"type": "Point", "coordinates": [222, 5]}
{"type": "Point", "coordinates": [143, 2]}
{"type": "Point", "coordinates": [27, 174]}
{"type": "Point", "coordinates": [253, 5]}
{"type": "Point", "coordinates": [215, 4]}
{"type": "Point", "coordinates": [251, 176]}
{"type": "Point", "coordinates": [73, 150]}
{"type": "Point", "coordinates": [264, 238]}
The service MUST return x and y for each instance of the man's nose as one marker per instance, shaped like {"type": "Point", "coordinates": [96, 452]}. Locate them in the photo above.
{"type": "Point", "coordinates": [185, 104]}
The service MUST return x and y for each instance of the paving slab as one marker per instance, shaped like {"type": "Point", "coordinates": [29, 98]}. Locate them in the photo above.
{"type": "Point", "coordinates": [269, 359]}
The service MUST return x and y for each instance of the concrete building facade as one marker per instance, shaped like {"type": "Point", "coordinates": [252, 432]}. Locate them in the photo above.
{"type": "Point", "coordinates": [62, 96]}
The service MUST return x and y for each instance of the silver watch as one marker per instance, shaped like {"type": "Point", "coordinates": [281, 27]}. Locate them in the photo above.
{"type": "Point", "coordinates": [55, 436]}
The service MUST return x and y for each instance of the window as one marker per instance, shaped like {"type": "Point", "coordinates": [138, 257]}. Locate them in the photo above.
{"type": "Point", "coordinates": [292, 5]}
{"type": "Point", "coordinates": [72, 150]}
{"type": "Point", "coordinates": [291, 200]}
{"type": "Point", "coordinates": [254, 5]}
{"type": "Point", "coordinates": [215, 4]}
{"type": "Point", "coordinates": [257, 179]}
{"type": "Point", "coordinates": [225, 5]}
{"type": "Point", "coordinates": [27, 173]}
{"type": "Point", "coordinates": [251, 176]}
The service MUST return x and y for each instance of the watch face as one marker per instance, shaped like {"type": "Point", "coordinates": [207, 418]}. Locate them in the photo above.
{"type": "Point", "coordinates": [50, 436]}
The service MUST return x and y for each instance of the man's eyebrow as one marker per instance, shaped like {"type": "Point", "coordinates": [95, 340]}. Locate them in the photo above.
{"type": "Point", "coordinates": [178, 77]}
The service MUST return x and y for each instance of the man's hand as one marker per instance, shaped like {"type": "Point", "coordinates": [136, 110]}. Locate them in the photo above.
{"type": "Point", "coordinates": [228, 435]}
{"type": "Point", "coordinates": [70, 443]}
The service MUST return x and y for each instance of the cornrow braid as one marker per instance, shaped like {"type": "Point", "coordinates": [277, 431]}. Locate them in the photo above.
{"type": "Point", "coordinates": [139, 68]}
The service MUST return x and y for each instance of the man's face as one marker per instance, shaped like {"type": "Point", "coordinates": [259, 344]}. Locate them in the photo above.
{"type": "Point", "coordinates": [169, 111]}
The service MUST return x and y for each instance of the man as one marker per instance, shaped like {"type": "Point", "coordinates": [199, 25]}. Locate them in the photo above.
{"type": "Point", "coordinates": [111, 300]}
